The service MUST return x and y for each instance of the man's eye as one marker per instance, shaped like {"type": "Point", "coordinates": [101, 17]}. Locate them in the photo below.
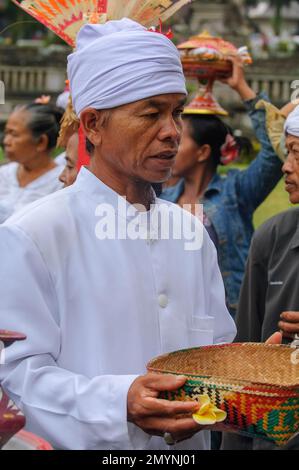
{"type": "Point", "coordinates": [178, 112]}
{"type": "Point", "coordinates": [153, 115]}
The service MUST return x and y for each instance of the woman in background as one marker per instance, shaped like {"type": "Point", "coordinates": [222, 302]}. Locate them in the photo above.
{"type": "Point", "coordinates": [30, 137]}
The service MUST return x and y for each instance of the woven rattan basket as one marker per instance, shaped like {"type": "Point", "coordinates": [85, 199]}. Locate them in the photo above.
{"type": "Point", "coordinates": [256, 384]}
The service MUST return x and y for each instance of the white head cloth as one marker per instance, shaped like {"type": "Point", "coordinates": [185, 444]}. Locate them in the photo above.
{"type": "Point", "coordinates": [291, 125]}
{"type": "Point", "coordinates": [121, 62]}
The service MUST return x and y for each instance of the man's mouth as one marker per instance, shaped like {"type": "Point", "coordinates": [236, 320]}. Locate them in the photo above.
{"type": "Point", "coordinates": [290, 185]}
{"type": "Point", "coordinates": [165, 155]}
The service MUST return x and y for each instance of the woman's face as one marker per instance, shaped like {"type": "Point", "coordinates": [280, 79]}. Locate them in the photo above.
{"type": "Point", "coordinates": [19, 143]}
{"type": "Point", "coordinates": [187, 156]}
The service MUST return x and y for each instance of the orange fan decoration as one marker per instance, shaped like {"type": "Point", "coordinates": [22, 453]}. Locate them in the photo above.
{"type": "Point", "coordinates": [205, 58]}
{"type": "Point", "coordinates": [66, 17]}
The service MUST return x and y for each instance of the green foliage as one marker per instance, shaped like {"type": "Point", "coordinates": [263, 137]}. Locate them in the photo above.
{"type": "Point", "coordinates": [16, 24]}
{"type": "Point", "coordinates": [277, 201]}
{"type": "Point", "coordinates": [1, 155]}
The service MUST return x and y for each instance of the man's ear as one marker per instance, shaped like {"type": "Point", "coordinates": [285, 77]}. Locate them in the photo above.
{"type": "Point", "coordinates": [203, 153]}
{"type": "Point", "coordinates": [92, 122]}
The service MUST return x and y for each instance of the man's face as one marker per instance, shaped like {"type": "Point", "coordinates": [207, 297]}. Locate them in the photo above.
{"type": "Point", "coordinates": [291, 169]}
{"type": "Point", "coordinates": [70, 172]}
{"type": "Point", "coordinates": [140, 140]}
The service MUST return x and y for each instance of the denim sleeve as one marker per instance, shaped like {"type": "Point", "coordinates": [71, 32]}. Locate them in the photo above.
{"type": "Point", "coordinates": [259, 179]}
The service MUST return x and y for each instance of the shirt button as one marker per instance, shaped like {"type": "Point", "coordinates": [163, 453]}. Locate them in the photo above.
{"type": "Point", "coordinates": [163, 300]}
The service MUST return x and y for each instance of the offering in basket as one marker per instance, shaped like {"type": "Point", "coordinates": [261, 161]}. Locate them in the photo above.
{"type": "Point", "coordinates": [205, 58]}
{"type": "Point", "coordinates": [255, 385]}
{"type": "Point", "coordinates": [11, 419]}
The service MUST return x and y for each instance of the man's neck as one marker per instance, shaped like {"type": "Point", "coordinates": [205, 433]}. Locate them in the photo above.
{"type": "Point", "coordinates": [136, 192]}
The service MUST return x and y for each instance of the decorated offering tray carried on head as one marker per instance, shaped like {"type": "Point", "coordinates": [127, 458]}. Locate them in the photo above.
{"type": "Point", "coordinates": [206, 58]}
{"type": "Point", "coordinates": [11, 419]}
{"type": "Point", "coordinates": [251, 388]}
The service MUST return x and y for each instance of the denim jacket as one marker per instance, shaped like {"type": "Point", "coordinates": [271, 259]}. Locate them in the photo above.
{"type": "Point", "coordinates": [230, 201]}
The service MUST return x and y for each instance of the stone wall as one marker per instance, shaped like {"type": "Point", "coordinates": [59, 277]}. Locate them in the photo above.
{"type": "Point", "coordinates": [34, 56]}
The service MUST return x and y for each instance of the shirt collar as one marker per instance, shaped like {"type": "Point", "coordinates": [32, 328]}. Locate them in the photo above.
{"type": "Point", "coordinates": [173, 193]}
{"type": "Point", "coordinates": [215, 184]}
{"type": "Point", "coordinates": [101, 193]}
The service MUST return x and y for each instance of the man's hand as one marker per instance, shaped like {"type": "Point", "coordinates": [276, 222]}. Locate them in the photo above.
{"type": "Point", "coordinates": [156, 416]}
{"type": "Point", "coordinates": [289, 324]}
{"type": "Point", "coordinates": [237, 80]}
{"type": "Point", "coordinates": [276, 338]}
{"type": "Point", "coordinates": [288, 108]}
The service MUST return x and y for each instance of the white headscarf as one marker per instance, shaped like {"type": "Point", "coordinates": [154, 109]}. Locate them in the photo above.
{"type": "Point", "coordinates": [121, 62]}
{"type": "Point", "coordinates": [291, 126]}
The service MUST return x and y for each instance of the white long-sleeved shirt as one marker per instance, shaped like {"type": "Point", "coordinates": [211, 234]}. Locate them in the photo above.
{"type": "Point", "coordinates": [95, 312]}
{"type": "Point", "coordinates": [13, 197]}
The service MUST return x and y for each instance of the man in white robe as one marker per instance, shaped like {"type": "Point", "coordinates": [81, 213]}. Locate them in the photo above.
{"type": "Point", "coordinates": [97, 308]}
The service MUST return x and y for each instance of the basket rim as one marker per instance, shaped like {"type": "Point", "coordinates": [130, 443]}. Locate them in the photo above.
{"type": "Point", "coordinates": [201, 61]}
{"type": "Point", "coordinates": [228, 381]}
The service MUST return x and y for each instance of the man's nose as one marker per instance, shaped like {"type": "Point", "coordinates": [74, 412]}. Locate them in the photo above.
{"type": "Point", "coordinates": [288, 165]}
{"type": "Point", "coordinates": [171, 130]}
{"type": "Point", "coordinates": [6, 140]}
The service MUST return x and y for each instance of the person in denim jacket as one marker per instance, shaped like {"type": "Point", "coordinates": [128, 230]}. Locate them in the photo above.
{"type": "Point", "coordinates": [229, 202]}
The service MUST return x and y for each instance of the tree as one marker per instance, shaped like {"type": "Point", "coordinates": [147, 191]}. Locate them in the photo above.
{"type": "Point", "coordinates": [277, 5]}
{"type": "Point", "coordinates": [16, 24]}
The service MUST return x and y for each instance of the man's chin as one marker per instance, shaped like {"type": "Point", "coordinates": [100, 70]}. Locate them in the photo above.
{"type": "Point", "coordinates": [10, 157]}
{"type": "Point", "coordinates": [161, 178]}
{"type": "Point", "coordinates": [294, 198]}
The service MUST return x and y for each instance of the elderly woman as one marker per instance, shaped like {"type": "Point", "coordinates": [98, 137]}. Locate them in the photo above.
{"type": "Point", "coordinates": [30, 136]}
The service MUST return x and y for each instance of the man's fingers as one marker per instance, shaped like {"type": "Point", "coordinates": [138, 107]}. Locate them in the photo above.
{"type": "Point", "coordinates": [276, 338]}
{"type": "Point", "coordinates": [178, 428]}
{"type": "Point", "coordinates": [289, 327]}
{"type": "Point", "coordinates": [292, 317]}
{"type": "Point", "coordinates": [160, 407]}
{"type": "Point", "coordinates": [183, 426]}
{"type": "Point", "coordinates": [162, 383]}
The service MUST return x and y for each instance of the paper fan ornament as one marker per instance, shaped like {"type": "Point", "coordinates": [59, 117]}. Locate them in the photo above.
{"type": "Point", "coordinates": [66, 17]}
{"type": "Point", "coordinates": [205, 57]}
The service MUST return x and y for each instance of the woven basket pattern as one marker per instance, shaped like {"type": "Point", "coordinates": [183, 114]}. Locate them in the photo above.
{"type": "Point", "coordinates": [256, 384]}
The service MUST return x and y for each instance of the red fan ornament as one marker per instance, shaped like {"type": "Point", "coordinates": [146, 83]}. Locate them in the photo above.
{"type": "Point", "coordinates": [66, 17]}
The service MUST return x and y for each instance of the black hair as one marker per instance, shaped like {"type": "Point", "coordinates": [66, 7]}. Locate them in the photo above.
{"type": "Point", "coordinates": [89, 147]}
{"type": "Point", "coordinates": [44, 119]}
{"type": "Point", "coordinates": [208, 130]}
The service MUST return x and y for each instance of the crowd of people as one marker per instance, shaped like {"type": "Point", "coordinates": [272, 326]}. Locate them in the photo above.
{"type": "Point", "coordinates": [95, 310]}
